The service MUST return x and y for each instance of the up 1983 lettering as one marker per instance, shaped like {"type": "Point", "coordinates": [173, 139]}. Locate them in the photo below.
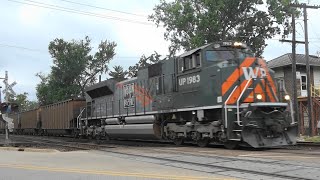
{"type": "Point", "coordinates": [189, 80]}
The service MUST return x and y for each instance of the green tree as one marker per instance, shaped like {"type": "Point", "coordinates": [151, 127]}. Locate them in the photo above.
{"type": "Point", "coordinates": [23, 102]}
{"type": "Point", "coordinates": [74, 68]}
{"type": "Point", "coordinates": [118, 73]}
{"type": "Point", "coordinates": [144, 62]}
{"type": "Point", "coordinates": [44, 91]}
{"type": "Point", "coordinates": [192, 23]}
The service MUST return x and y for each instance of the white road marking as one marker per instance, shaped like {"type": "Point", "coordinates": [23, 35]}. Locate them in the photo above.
{"type": "Point", "coordinates": [206, 151]}
{"type": "Point", "coordinates": [264, 154]}
{"type": "Point", "coordinates": [286, 157]}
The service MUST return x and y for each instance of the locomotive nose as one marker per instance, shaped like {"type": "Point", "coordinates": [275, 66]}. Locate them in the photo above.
{"type": "Point", "coordinates": [270, 123]}
{"type": "Point", "coordinates": [251, 80]}
{"type": "Point", "coordinates": [260, 83]}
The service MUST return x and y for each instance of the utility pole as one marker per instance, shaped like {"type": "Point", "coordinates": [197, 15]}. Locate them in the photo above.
{"type": "Point", "coordinates": [310, 104]}
{"type": "Point", "coordinates": [294, 71]}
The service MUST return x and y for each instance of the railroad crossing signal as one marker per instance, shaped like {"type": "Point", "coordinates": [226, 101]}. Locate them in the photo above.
{"type": "Point", "coordinates": [8, 87]}
{"type": "Point", "coordinates": [8, 107]}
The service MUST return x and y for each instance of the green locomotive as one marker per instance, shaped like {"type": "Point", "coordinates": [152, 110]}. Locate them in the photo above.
{"type": "Point", "coordinates": [216, 93]}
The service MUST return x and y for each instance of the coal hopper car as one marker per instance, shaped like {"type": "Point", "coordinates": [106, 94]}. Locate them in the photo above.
{"type": "Point", "coordinates": [217, 93]}
{"type": "Point", "coordinates": [58, 119]}
{"type": "Point", "coordinates": [26, 122]}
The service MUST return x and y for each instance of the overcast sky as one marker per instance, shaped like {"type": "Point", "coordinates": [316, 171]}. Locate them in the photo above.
{"type": "Point", "coordinates": [33, 27]}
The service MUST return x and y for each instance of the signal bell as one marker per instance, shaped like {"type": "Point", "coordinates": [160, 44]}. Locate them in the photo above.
{"type": "Point", "coordinates": [9, 107]}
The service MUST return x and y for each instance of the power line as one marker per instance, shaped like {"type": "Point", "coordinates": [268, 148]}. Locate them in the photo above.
{"type": "Point", "coordinates": [41, 51]}
{"type": "Point", "coordinates": [275, 39]}
{"type": "Point", "coordinates": [97, 7]}
{"type": "Point", "coordinates": [316, 34]}
{"type": "Point", "coordinates": [76, 11]}
{"type": "Point", "coordinates": [83, 12]}
{"type": "Point", "coordinates": [20, 47]}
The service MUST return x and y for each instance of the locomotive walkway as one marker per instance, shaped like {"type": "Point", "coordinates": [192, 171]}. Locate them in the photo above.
{"type": "Point", "coordinates": [163, 161]}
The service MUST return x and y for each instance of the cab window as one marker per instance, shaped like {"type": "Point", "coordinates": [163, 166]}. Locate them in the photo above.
{"type": "Point", "coordinates": [244, 55]}
{"type": "Point", "coordinates": [198, 61]}
{"type": "Point", "coordinates": [189, 62]}
{"type": "Point", "coordinates": [219, 55]}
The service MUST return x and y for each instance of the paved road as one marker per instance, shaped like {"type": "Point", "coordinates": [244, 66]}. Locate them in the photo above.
{"type": "Point", "coordinates": [159, 162]}
{"type": "Point", "coordinates": [82, 165]}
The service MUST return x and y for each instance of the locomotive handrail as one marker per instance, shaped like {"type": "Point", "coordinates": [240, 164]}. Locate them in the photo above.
{"type": "Point", "coordinates": [79, 116]}
{"type": "Point", "coordinates": [225, 107]}
{"type": "Point", "coordinates": [277, 99]}
{"type": "Point", "coordinates": [291, 112]}
{"type": "Point", "coordinates": [293, 120]}
{"type": "Point", "coordinates": [238, 108]}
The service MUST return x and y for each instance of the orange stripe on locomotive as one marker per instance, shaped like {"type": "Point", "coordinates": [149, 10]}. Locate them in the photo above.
{"type": "Point", "coordinates": [264, 86]}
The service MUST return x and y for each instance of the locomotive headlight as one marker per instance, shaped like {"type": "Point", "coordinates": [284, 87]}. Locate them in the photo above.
{"type": "Point", "coordinates": [237, 44]}
{"type": "Point", "coordinates": [287, 97]}
{"type": "Point", "coordinates": [259, 96]}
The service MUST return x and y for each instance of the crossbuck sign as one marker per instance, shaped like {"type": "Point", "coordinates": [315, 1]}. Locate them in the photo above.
{"type": "Point", "coordinates": [8, 87]}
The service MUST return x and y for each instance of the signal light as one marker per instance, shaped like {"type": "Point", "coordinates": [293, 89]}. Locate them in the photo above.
{"type": "Point", "coordinates": [9, 107]}
{"type": "Point", "coordinates": [259, 96]}
{"type": "Point", "coordinates": [287, 97]}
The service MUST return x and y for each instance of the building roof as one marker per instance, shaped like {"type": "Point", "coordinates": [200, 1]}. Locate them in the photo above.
{"type": "Point", "coordinates": [286, 60]}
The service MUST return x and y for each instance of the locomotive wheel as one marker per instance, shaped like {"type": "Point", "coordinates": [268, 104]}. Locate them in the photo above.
{"type": "Point", "coordinates": [203, 142]}
{"type": "Point", "coordinates": [106, 137]}
{"type": "Point", "coordinates": [231, 145]}
{"type": "Point", "coordinates": [98, 137]}
{"type": "Point", "coordinates": [178, 141]}
{"type": "Point", "coordinates": [75, 135]}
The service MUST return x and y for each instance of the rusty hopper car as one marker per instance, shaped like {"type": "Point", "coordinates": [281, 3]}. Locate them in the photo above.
{"type": "Point", "coordinates": [28, 121]}
{"type": "Point", "coordinates": [216, 93]}
{"type": "Point", "coordinates": [60, 118]}
{"type": "Point", "coordinates": [25, 122]}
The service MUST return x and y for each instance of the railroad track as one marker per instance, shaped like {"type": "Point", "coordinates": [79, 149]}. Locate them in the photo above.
{"type": "Point", "coordinates": [310, 144]}
{"type": "Point", "coordinates": [222, 164]}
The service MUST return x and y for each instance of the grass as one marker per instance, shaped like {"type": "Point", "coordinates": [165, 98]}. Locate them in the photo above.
{"type": "Point", "coordinates": [312, 139]}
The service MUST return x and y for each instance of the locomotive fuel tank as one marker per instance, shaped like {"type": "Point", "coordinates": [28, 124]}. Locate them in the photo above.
{"type": "Point", "coordinates": [134, 131]}
{"type": "Point", "coordinates": [137, 127]}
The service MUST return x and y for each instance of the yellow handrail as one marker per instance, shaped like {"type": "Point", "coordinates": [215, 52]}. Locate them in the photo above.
{"type": "Point", "coordinates": [315, 91]}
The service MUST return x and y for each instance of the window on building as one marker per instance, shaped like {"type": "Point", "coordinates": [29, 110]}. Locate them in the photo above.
{"type": "Point", "coordinates": [303, 82]}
